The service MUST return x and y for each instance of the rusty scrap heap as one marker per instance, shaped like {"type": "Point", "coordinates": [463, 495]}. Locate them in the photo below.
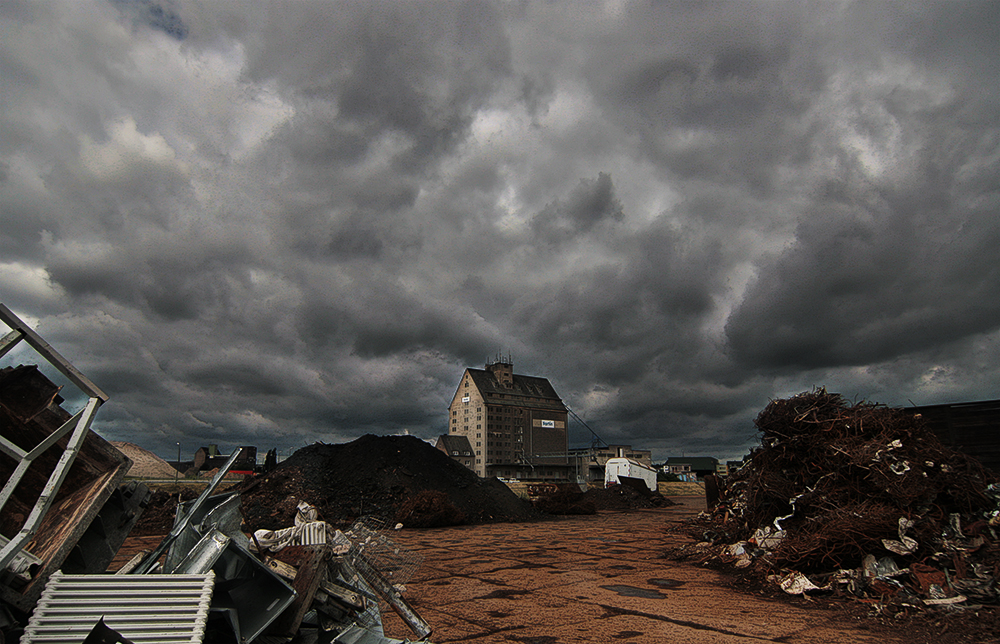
{"type": "Point", "coordinates": [861, 499]}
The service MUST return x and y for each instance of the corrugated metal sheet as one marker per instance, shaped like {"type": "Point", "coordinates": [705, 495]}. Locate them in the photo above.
{"type": "Point", "coordinates": [146, 609]}
{"type": "Point", "coordinates": [313, 533]}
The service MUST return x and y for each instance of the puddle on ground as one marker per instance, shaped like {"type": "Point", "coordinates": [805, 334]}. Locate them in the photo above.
{"type": "Point", "coordinates": [624, 635]}
{"type": "Point", "coordinates": [666, 583]}
{"type": "Point", "coordinates": [632, 591]}
{"type": "Point", "coordinates": [505, 594]}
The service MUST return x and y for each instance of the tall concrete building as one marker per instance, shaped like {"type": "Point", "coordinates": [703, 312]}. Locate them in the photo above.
{"type": "Point", "coordinates": [516, 425]}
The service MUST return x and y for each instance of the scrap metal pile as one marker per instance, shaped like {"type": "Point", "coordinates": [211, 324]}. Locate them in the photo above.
{"type": "Point", "coordinates": [64, 513]}
{"type": "Point", "coordinates": [858, 499]}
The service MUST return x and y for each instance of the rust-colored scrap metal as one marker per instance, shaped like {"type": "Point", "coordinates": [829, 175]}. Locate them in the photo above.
{"type": "Point", "coordinates": [835, 482]}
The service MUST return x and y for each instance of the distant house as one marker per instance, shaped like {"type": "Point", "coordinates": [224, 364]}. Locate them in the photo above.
{"type": "Point", "coordinates": [691, 467]}
{"type": "Point", "coordinates": [209, 458]}
{"type": "Point", "coordinates": [458, 447]}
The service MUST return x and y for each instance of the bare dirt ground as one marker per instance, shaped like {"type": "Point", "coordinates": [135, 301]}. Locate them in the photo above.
{"type": "Point", "coordinates": [603, 578]}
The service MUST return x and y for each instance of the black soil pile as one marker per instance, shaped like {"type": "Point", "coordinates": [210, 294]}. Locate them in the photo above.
{"type": "Point", "coordinates": [623, 497]}
{"type": "Point", "coordinates": [395, 478]}
{"type": "Point", "coordinates": [568, 499]}
{"type": "Point", "coordinates": [158, 517]}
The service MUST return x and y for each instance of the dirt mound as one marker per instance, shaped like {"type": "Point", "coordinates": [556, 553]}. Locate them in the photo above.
{"type": "Point", "coordinates": [570, 500]}
{"type": "Point", "coordinates": [865, 500]}
{"type": "Point", "coordinates": [158, 517]}
{"type": "Point", "coordinates": [145, 464]}
{"type": "Point", "coordinates": [623, 497]}
{"type": "Point", "coordinates": [567, 499]}
{"type": "Point", "coordinates": [380, 476]}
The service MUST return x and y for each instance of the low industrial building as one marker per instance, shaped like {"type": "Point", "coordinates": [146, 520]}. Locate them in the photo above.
{"type": "Point", "coordinates": [970, 427]}
{"type": "Point", "coordinates": [692, 468]}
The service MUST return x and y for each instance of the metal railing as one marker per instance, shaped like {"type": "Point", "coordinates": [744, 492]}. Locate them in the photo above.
{"type": "Point", "coordinates": [76, 428]}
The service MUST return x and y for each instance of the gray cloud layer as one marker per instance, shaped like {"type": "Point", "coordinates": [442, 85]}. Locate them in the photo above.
{"type": "Point", "coordinates": [295, 221]}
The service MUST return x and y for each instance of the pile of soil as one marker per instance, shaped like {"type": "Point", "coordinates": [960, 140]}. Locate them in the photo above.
{"type": "Point", "coordinates": [859, 499]}
{"type": "Point", "coordinates": [569, 500]}
{"type": "Point", "coordinates": [145, 464]}
{"type": "Point", "coordinates": [158, 517]}
{"type": "Point", "coordinates": [623, 497]}
{"type": "Point", "coordinates": [395, 478]}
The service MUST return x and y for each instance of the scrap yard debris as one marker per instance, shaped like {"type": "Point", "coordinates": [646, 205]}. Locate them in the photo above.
{"type": "Point", "coordinates": [858, 500]}
{"type": "Point", "coordinates": [66, 512]}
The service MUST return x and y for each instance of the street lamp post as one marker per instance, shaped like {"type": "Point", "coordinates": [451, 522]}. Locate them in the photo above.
{"type": "Point", "coordinates": [178, 468]}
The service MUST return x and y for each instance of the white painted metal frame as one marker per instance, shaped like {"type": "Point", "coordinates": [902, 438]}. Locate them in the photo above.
{"type": "Point", "coordinates": [77, 428]}
{"type": "Point", "coordinates": [146, 609]}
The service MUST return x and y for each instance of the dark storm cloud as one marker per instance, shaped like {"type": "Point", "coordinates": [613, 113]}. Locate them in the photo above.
{"type": "Point", "coordinates": [158, 15]}
{"type": "Point", "coordinates": [867, 286]}
{"type": "Point", "coordinates": [590, 203]}
{"type": "Point", "coordinates": [295, 221]}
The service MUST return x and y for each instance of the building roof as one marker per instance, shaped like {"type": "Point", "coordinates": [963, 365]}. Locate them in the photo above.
{"type": "Point", "coordinates": [455, 443]}
{"type": "Point", "coordinates": [145, 464]}
{"type": "Point", "coordinates": [696, 462]}
{"type": "Point", "coordinates": [529, 386]}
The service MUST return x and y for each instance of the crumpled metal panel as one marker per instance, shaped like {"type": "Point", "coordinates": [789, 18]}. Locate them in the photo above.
{"type": "Point", "coordinates": [145, 609]}
{"type": "Point", "coordinates": [219, 511]}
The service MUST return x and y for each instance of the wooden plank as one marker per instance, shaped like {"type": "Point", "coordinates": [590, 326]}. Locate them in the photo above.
{"type": "Point", "coordinates": [307, 580]}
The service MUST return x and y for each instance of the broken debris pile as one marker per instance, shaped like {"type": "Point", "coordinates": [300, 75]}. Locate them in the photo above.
{"type": "Point", "coordinates": [859, 498]}
{"type": "Point", "coordinates": [64, 516]}
{"type": "Point", "coordinates": [396, 478]}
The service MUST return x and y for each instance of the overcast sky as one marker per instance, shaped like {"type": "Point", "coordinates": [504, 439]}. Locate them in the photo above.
{"type": "Point", "coordinates": [275, 223]}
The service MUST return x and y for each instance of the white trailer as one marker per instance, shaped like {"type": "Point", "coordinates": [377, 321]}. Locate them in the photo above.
{"type": "Point", "coordinates": [618, 468]}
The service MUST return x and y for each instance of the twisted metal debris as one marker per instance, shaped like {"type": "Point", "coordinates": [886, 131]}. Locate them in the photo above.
{"type": "Point", "coordinates": [859, 498]}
